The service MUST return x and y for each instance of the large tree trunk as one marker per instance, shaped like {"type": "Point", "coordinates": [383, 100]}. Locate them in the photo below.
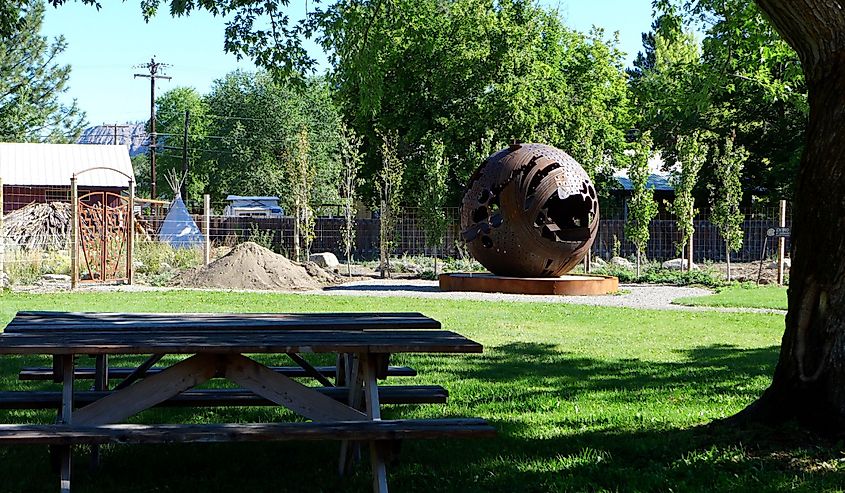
{"type": "Point", "coordinates": [809, 381]}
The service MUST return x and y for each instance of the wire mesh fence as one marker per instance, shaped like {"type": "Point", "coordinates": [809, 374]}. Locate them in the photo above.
{"type": "Point", "coordinates": [708, 243]}
{"type": "Point", "coordinates": [35, 238]}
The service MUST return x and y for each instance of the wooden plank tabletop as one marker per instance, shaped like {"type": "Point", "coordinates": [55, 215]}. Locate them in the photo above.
{"type": "Point", "coordinates": [177, 333]}
{"type": "Point", "coordinates": [261, 341]}
{"type": "Point", "coordinates": [27, 322]}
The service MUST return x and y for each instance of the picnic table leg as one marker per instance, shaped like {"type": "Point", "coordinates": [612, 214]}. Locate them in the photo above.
{"type": "Point", "coordinates": [349, 451]}
{"type": "Point", "coordinates": [101, 382]}
{"type": "Point", "coordinates": [67, 415]}
{"type": "Point", "coordinates": [374, 413]}
{"type": "Point", "coordinates": [340, 371]}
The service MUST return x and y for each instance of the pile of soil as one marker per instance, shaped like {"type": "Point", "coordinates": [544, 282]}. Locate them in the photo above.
{"type": "Point", "coordinates": [251, 266]}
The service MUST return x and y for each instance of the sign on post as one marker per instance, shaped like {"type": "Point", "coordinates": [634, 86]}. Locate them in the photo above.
{"type": "Point", "coordinates": [778, 232]}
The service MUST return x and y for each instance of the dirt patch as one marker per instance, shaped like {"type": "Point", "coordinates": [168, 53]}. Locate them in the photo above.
{"type": "Point", "coordinates": [251, 266]}
{"type": "Point", "coordinates": [748, 271]}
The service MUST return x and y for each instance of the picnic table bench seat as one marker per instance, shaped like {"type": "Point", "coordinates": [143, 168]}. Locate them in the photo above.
{"type": "Point", "coordinates": [392, 394]}
{"type": "Point", "coordinates": [119, 373]}
{"type": "Point", "coordinates": [383, 430]}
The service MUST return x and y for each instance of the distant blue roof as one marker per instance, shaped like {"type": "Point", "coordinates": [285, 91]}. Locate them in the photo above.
{"type": "Point", "coordinates": [655, 182]}
{"type": "Point", "coordinates": [258, 199]}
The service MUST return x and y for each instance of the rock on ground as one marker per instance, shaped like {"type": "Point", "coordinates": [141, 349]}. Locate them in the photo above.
{"type": "Point", "coordinates": [787, 264]}
{"type": "Point", "coordinates": [55, 278]}
{"type": "Point", "coordinates": [622, 262]}
{"type": "Point", "coordinates": [326, 260]}
{"type": "Point", "coordinates": [677, 263]}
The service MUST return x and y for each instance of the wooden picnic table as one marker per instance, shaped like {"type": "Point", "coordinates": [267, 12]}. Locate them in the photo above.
{"type": "Point", "coordinates": [217, 346]}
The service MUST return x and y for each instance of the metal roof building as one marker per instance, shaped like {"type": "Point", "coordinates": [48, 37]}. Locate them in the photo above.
{"type": "Point", "coordinates": [42, 172]}
{"type": "Point", "coordinates": [54, 164]}
{"type": "Point", "coordinates": [659, 183]}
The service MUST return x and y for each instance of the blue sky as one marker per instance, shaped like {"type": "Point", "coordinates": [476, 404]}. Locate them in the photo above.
{"type": "Point", "coordinates": [104, 46]}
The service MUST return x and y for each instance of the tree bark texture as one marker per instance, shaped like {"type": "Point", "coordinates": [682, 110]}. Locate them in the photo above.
{"type": "Point", "coordinates": [809, 381]}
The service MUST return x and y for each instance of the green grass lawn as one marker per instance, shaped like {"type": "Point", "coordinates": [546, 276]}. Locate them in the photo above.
{"type": "Point", "coordinates": [741, 296]}
{"type": "Point", "coordinates": [584, 399]}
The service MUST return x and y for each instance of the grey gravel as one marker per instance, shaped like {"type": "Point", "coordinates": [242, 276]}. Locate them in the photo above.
{"type": "Point", "coordinates": [630, 295]}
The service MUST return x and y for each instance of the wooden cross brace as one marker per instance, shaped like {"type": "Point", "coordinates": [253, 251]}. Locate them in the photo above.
{"type": "Point", "coordinates": [198, 369]}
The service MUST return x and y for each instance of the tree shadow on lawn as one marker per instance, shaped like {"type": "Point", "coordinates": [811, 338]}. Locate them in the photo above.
{"type": "Point", "coordinates": [417, 288]}
{"type": "Point", "coordinates": [544, 368]}
{"type": "Point", "coordinates": [534, 451]}
{"type": "Point", "coordinates": [564, 451]}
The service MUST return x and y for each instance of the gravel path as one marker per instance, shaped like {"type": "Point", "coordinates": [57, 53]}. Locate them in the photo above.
{"type": "Point", "coordinates": [631, 296]}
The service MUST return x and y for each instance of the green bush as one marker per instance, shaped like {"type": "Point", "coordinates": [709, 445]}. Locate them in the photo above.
{"type": "Point", "coordinates": [186, 258]}
{"type": "Point", "coordinates": [261, 237]}
{"type": "Point", "coordinates": [156, 259]}
{"type": "Point", "coordinates": [150, 256]}
{"type": "Point", "coordinates": [654, 273]}
{"type": "Point", "coordinates": [702, 277]}
{"type": "Point", "coordinates": [25, 267]}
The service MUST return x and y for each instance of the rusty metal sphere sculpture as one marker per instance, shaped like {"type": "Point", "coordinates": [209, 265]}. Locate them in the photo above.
{"type": "Point", "coordinates": [530, 211]}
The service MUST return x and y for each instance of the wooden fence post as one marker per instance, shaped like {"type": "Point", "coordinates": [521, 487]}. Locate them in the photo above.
{"type": "Point", "coordinates": [206, 227]}
{"type": "Point", "coordinates": [691, 244]}
{"type": "Point", "coordinates": [74, 233]}
{"type": "Point", "coordinates": [130, 236]}
{"type": "Point", "coordinates": [781, 242]}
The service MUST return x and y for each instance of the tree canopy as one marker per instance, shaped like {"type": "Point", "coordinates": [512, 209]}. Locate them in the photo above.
{"type": "Point", "coordinates": [745, 84]}
{"type": "Point", "coordinates": [31, 81]}
{"type": "Point", "coordinates": [245, 133]}
{"type": "Point", "coordinates": [475, 74]}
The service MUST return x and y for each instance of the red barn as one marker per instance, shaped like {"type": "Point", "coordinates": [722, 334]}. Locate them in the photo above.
{"type": "Point", "coordinates": [41, 172]}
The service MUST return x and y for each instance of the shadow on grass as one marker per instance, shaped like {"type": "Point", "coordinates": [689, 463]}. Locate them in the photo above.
{"type": "Point", "coordinates": [715, 366]}
{"type": "Point", "coordinates": [384, 287]}
{"type": "Point", "coordinates": [536, 451]}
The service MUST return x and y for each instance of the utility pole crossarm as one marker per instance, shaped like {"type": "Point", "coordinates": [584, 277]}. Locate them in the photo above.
{"type": "Point", "coordinates": [153, 74]}
{"type": "Point", "coordinates": [115, 127]}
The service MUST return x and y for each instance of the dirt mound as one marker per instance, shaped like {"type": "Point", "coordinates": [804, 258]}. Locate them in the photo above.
{"type": "Point", "coordinates": [251, 266]}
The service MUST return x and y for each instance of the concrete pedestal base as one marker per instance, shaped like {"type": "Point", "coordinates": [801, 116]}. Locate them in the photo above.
{"type": "Point", "coordinates": [568, 285]}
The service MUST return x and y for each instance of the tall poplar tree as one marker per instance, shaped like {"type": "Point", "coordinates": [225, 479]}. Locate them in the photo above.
{"type": "Point", "coordinates": [692, 152]}
{"type": "Point", "coordinates": [641, 207]}
{"type": "Point", "coordinates": [727, 195]}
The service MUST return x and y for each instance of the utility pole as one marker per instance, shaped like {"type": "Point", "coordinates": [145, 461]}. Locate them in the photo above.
{"type": "Point", "coordinates": [184, 190]}
{"type": "Point", "coordinates": [153, 67]}
{"type": "Point", "coordinates": [114, 127]}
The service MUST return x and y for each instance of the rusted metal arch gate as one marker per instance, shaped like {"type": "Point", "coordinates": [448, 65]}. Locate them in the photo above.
{"type": "Point", "coordinates": [91, 228]}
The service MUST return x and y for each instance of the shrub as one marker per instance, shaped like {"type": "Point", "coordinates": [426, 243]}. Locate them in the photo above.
{"type": "Point", "coordinates": [158, 261]}
{"type": "Point", "coordinates": [261, 237]}
{"type": "Point", "coordinates": [150, 256]}
{"type": "Point", "coordinates": [654, 273]}
{"type": "Point", "coordinates": [186, 258]}
{"type": "Point", "coordinates": [25, 267]}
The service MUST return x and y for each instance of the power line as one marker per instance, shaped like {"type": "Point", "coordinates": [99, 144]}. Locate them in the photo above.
{"type": "Point", "coordinates": [247, 118]}
{"type": "Point", "coordinates": [153, 68]}
{"type": "Point", "coordinates": [222, 137]}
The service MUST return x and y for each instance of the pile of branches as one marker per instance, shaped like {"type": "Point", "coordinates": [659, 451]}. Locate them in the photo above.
{"type": "Point", "coordinates": [39, 226]}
